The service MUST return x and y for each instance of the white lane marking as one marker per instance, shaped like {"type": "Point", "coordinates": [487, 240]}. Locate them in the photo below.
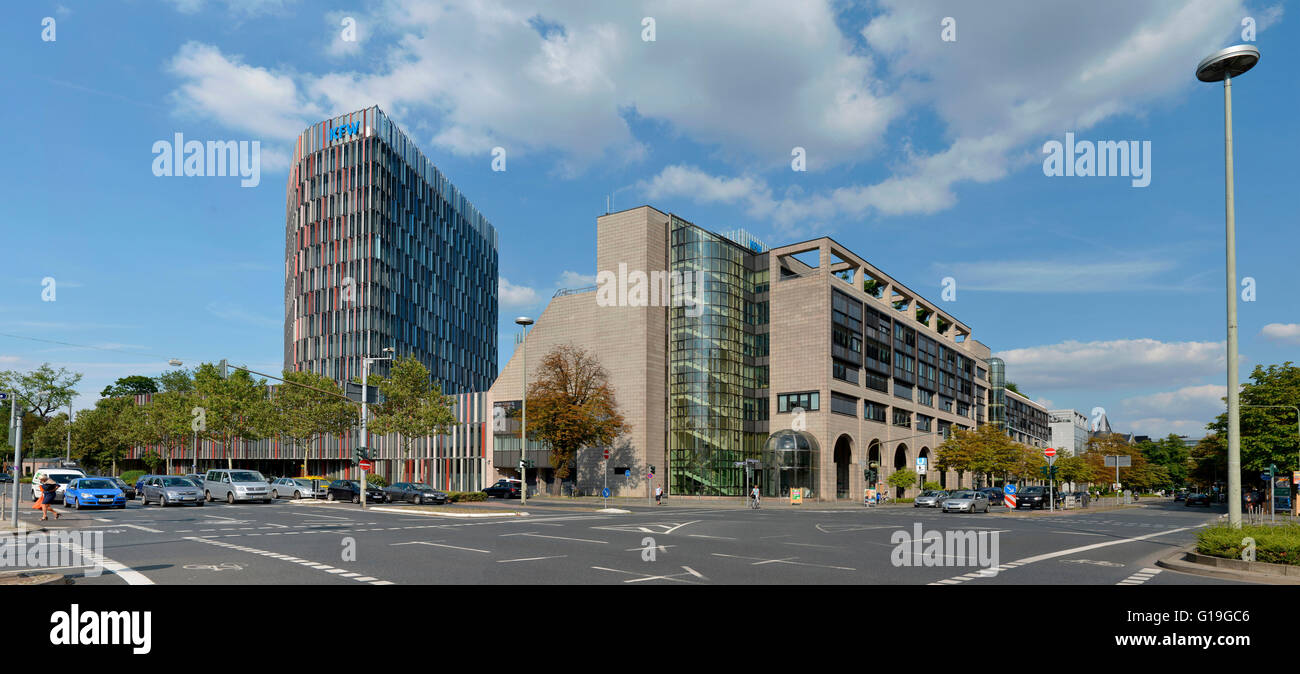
{"type": "Point", "coordinates": [785, 560]}
{"type": "Point", "coordinates": [324, 517]}
{"type": "Point", "coordinates": [562, 538]}
{"type": "Point", "coordinates": [721, 538]}
{"type": "Point", "coordinates": [1140, 577]}
{"type": "Point", "coordinates": [103, 519]}
{"type": "Point", "coordinates": [644, 577]}
{"type": "Point", "coordinates": [531, 559]}
{"type": "Point", "coordinates": [131, 576]}
{"type": "Point", "coordinates": [809, 545]}
{"type": "Point", "coordinates": [440, 545]}
{"type": "Point", "coordinates": [302, 562]}
{"type": "Point", "coordinates": [693, 572]}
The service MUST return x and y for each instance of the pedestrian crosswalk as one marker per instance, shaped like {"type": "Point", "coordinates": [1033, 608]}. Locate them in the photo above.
{"type": "Point", "coordinates": [1140, 577]}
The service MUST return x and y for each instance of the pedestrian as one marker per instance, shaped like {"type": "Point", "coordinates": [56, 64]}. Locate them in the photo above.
{"type": "Point", "coordinates": [659, 495]}
{"type": "Point", "coordinates": [45, 505]}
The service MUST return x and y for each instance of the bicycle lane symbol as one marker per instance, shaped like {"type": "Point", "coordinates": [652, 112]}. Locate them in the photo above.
{"type": "Point", "coordinates": [224, 566]}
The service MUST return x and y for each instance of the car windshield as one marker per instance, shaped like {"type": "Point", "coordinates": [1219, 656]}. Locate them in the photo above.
{"type": "Point", "coordinates": [1033, 490]}
{"type": "Point", "coordinates": [932, 493]}
{"type": "Point", "coordinates": [63, 478]}
{"type": "Point", "coordinates": [96, 484]}
{"type": "Point", "coordinates": [246, 476]}
{"type": "Point", "coordinates": [421, 485]}
{"type": "Point", "coordinates": [177, 482]}
{"type": "Point", "coordinates": [963, 494]}
{"type": "Point", "coordinates": [302, 483]}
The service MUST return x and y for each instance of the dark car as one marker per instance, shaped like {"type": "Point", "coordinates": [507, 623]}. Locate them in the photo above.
{"type": "Point", "coordinates": [994, 495]}
{"type": "Point", "coordinates": [1033, 497]}
{"type": "Point", "coordinates": [1198, 499]}
{"type": "Point", "coordinates": [6, 477]}
{"type": "Point", "coordinates": [1180, 496]}
{"type": "Point", "coordinates": [415, 492]}
{"type": "Point", "coordinates": [504, 488]}
{"type": "Point", "coordinates": [350, 490]}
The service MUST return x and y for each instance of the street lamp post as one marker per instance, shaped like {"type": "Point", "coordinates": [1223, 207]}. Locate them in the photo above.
{"type": "Point", "coordinates": [524, 322]}
{"type": "Point", "coordinates": [365, 438]}
{"type": "Point", "coordinates": [1224, 65]}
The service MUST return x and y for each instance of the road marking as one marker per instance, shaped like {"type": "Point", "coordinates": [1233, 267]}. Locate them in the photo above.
{"type": "Point", "coordinates": [131, 576]}
{"type": "Point", "coordinates": [275, 555]}
{"type": "Point", "coordinates": [562, 538]}
{"type": "Point", "coordinates": [644, 577]}
{"type": "Point", "coordinates": [1140, 577]}
{"type": "Point", "coordinates": [693, 572]}
{"type": "Point", "coordinates": [786, 560]}
{"type": "Point", "coordinates": [660, 548]}
{"type": "Point", "coordinates": [721, 538]}
{"type": "Point", "coordinates": [531, 559]}
{"type": "Point", "coordinates": [809, 545]}
{"type": "Point", "coordinates": [324, 517]}
{"type": "Point", "coordinates": [441, 545]}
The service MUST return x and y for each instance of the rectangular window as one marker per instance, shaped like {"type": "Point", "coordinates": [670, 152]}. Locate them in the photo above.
{"type": "Point", "coordinates": [809, 401]}
{"type": "Point", "coordinates": [842, 404]}
{"type": "Point", "coordinates": [945, 403]}
{"type": "Point", "coordinates": [963, 409]}
{"type": "Point", "coordinates": [923, 422]}
{"type": "Point", "coordinates": [902, 418]}
{"type": "Point", "coordinates": [924, 397]}
{"type": "Point", "coordinates": [873, 412]}
{"type": "Point", "coordinates": [844, 371]}
{"type": "Point", "coordinates": [902, 391]}
{"type": "Point", "coordinates": [876, 382]}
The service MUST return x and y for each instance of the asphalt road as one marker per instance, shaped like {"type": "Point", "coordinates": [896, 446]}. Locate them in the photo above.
{"type": "Point", "coordinates": [338, 544]}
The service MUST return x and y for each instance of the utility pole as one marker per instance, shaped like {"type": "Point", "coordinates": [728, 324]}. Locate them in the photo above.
{"type": "Point", "coordinates": [524, 322]}
{"type": "Point", "coordinates": [18, 459]}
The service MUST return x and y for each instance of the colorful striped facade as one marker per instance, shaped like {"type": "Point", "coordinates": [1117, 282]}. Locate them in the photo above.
{"type": "Point", "coordinates": [455, 461]}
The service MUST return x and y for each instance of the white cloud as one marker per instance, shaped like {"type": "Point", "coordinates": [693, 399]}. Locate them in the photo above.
{"type": "Point", "coordinates": [1159, 427]}
{"type": "Point", "coordinates": [572, 279]}
{"type": "Point", "coordinates": [1059, 276]}
{"type": "Point", "coordinates": [1286, 333]}
{"type": "Point", "coordinates": [243, 97]}
{"type": "Point", "coordinates": [1115, 364]}
{"type": "Point", "coordinates": [510, 295]}
{"type": "Point", "coordinates": [359, 28]}
{"type": "Point", "coordinates": [1203, 401]}
{"type": "Point", "coordinates": [237, 7]}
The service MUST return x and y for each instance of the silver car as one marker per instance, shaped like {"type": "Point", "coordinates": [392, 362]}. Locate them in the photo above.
{"type": "Point", "coordinates": [930, 499]}
{"type": "Point", "coordinates": [167, 490]}
{"type": "Point", "coordinates": [966, 500]}
{"type": "Point", "coordinates": [236, 485]}
{"type": "Point", "coordinates": [298, 487]}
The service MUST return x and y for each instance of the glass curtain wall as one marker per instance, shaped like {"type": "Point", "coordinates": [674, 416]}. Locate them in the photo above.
{"type": "Point", "coordinates": [717, 368]}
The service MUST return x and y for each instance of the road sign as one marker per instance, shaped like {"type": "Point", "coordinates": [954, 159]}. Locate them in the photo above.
{"type": "Point", "coordinates": [605, 492]}
{"type": "Point", "coordinates": [627, 473]}
{"type": "Point", "coordinates": [365, 464]}
{"type": "Point", "coordinates": [1009, 490]}
{"type": "Point", "coordinates": [607, 455]}
{"type": "Point", "coordinates": [1009, 495]}
{"type": "Point", "coordinates": [1049, 452]}
{"type": "Point", "coordinates": [1118, 461]}
{"type": "Point", "coordinates": [4, 396]}
{"type": "Point", "coordinates": [920, 464]}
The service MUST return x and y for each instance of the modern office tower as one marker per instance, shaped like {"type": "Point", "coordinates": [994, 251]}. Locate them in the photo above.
{"type": "Point", "coordinates": [801, 367]}
{"type": "Point", "coordinates": [381, 250]}
{"type": "Point", "coordinates": [1069, 431]}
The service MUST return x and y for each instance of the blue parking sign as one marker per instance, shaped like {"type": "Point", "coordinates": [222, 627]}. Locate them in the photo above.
{"type": "Point", "coordinates": [627, 473]}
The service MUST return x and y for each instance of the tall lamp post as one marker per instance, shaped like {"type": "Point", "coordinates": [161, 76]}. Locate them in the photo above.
{"type": "Point", "coordinates": [524, 322]}
{"type": "Point", "coordinates": [1224, 65]}
{"type": "Point", "coordinates": [365, 394]}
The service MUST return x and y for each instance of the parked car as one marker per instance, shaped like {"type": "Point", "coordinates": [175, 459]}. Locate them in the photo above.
{"type": "Point", "coordinates": [6, 477]}
{"type": "Point", "coordinates": [504, 488]}
{"type": "Point", "coordinates": [930, 499]}
{"type": "Point", "coordinates": [1180, 496]}
{"type": "Point", "coordinates": [236, 485]}
{"type": "Point", "coordinates": [1033, 497]}
{"type": "Point", "coordinates": [62, 476]}
{"type": "Point", "coordinates": [139, 483]}
{"type": "Point", "coordinates": [127, 489]}
{"type": "Point", "coordinates": [298, 487]}
{"type": "Point", "coordinates": [350, 490]}
{"type": "Point", "coordinates": [993, 494]}
{"type": "Point", "coordinates": [1197, 499]}
{"type": "Point", "coordinates": [92, 491]}
{"type": "Point", "coordinates": [197, 477]}
{"type": "Point", "coordinates": [415, 492]}
{"type": "Point", "coordinates": [966, 500]}
{"type": "Point", "coordinates": [167, 490]}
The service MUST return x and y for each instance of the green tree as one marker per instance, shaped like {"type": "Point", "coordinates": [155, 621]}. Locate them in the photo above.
{"type": "Point", "coordinates": [1209, 460]}
{"type": "Point", "coordinates": [41, 393]}
{"type": "Point", "coordinates": [959, 452]}
{"type": "Point", "coordinates": [100, 436]}
{"type": "Point", "coordinates": [236, 408]}
{"type": "Point", "coordinates": [1170, 454]}
{"type": "Point", "coordinates": [571, 405]}
{"type": "Point", "coordinates": [902, 479]}
{"type": "Point", "coordinates": [1268, 435]}
{"type": "Point", "coordinates": [51, 439]}
{"type": "Point", "coordinates": [130, 386]}
{"type": "Point", "coordinates": [306, 410]}
{"type": "Point", "coordinates": [413, 405]}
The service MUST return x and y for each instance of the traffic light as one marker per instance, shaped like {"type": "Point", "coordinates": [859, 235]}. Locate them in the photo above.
{"type": "Point", "coordinates": [652, 470]}
{"type": "Point", "coordinates": [363, 453]}
{"type": "Point", "coordinates": [528, 463]}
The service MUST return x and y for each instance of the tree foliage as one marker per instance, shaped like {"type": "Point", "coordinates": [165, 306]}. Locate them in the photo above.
{"type": "Point", "coordinates": [237, 407]}
{"type": "Point", "coordinates": [130, 386]}
{"type": "Point", "coordinates": [413, 405]}
{"type": "Point", "coordinates": [902, 478]}
{"type": "Point", "coordinates": [304, 414]}
{"type": "Point", "coordinates": [1142, 475]}
{"type": "Point", "coordinates": [1268, 435]}
{"type": "Point", "coordinates": [571, 405]}
{"type": "Point", "coordinates": [984, 450]}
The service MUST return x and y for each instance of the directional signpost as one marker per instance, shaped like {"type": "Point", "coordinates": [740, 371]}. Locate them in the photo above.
{"type": "Point", "coordinates": [1009, 496]}
{"type": "Point", "coordinates": [1050, 453]}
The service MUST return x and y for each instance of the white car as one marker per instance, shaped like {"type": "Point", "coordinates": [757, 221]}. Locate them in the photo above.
{"type": "Point", "coordinates": [60, 475]}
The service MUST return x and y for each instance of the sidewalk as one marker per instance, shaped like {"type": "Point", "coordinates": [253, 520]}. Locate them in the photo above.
{"type": "Point", "coordinates": [731, 502]}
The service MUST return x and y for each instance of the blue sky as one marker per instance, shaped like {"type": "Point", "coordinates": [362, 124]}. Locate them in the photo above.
{"type": "Point", "coordinates": [923, 155]}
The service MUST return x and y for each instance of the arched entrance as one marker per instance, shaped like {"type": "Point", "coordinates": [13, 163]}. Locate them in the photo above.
{"type": "Point", "coordinates": [843, 460]}
{"type": "Point", "coordinates": [929, 466]}
{"type": "Point", "coordinates": [900, 462]}
{"type": "Point", "coordinates": [874, 467]}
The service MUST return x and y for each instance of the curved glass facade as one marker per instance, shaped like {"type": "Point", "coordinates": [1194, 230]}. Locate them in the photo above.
{"type": "Point", "coordinates": [790, 460]}
{"type": "Point", "coordinates": [717, 365]}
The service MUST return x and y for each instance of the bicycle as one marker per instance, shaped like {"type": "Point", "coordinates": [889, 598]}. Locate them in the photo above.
{"type": "Point", "coordinates": [753, 502]}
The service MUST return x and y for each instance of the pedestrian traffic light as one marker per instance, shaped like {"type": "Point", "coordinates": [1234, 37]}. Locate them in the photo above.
{"type": "Point", "coordinates": [363, 453]}
{"type": "Point", "coordinates": [528, 463]}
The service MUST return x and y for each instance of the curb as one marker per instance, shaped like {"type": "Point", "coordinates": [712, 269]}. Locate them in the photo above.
{"type": "Point", "coordinates": [17, 578]}
{"type": "Point", "coordinates": [1178, 562]}
{"type": "Point", "coordinates": [427, 513]}
{"type": "Point", "coordinates": [615, 511]}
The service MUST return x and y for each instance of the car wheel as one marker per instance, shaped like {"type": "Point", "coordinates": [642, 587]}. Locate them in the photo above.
{"type": "Point", "coordinates": [122, 507]}
{"type": "Point", "coordinates": [76, 503]}
{"type": "Point", "coordinates": [207, 496]}
{"type": "Point", "coordinates": [356, 499]}
{"type": "Point", "coordinates": [199, 504]}
{"type": "Point", "coordinates": [986, 507]}
{"type": "Point", "coordinates": [267, 500]}
{"type": "Point", "coordinates": [330, 497]}
{"type": "Point", "coordinates": [230, 498]}
{"type": "Point", "coordinates": [419, 500]}
{"type": "Point", "coordinates": [297, 494]}
{"type": "Point", "coordinates": [162, 501]}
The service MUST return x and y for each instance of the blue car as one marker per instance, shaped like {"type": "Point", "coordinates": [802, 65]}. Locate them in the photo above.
{"type": "Point", "coordinates": [139, 484]}
{"type": "Point", "coordinates": [93, 491]}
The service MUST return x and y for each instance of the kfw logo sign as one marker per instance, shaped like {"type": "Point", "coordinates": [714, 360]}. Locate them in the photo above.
{"type": "Point", "coordinates": [344, 130]}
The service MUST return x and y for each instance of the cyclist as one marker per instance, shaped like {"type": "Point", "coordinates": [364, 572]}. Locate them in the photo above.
{"type": "Point", "coordinates": [753, 496]}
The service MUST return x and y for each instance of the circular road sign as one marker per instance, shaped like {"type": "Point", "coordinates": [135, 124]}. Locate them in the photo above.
{"type": "Point", "coordinates": [1009, 489]}
{"type": "Point", "coordinates": [605, 492]}
{"type": "Point", "coordinates": [1050, 451]}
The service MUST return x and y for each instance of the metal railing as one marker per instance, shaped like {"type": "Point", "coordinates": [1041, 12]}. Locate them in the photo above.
{"type": "Point", "coordinates": [563, 292]}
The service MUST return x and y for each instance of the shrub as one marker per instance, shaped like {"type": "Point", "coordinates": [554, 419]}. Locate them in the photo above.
{"type": "Point", "coordinates": [932, 486]}
{"type": "Point", "coordinates": [465, 496]}
{"type": "Point", "coordinates": [904, 500]}
{"type": "Point", "coordinates": [1273, 544]}
{"type": "Point", "coordinates": [24, 480]}
{"type": "Point", "coordinates": [131, 476]}
{"type": "Point", "coordinates": [376, 480]}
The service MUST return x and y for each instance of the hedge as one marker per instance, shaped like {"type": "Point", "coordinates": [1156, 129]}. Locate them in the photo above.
{"type": "Point", "coordinates": [904, 500]}
{"type": "Point", "coordinates": [376, 480]}
{"type": "Point", "coordinates": [465, 496]}
{"type": "Point", "coordinates": [1273, 544]}
{"type": "Point", "coordinates": [132, 476]}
